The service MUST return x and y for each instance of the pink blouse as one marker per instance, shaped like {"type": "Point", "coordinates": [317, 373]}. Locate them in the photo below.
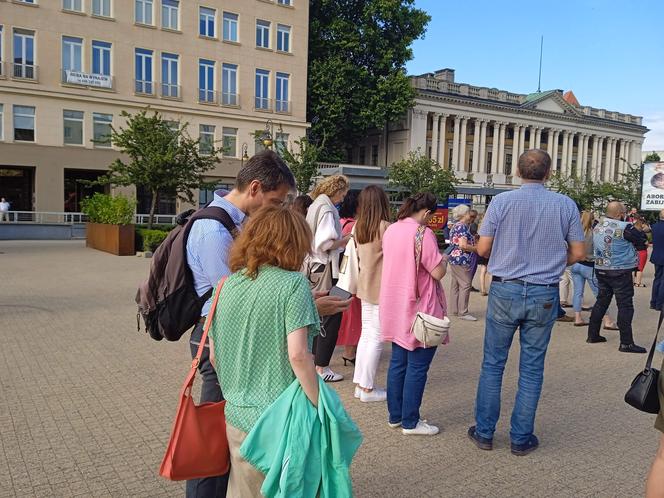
{"type": "Point", "coordinates": [398, 303]}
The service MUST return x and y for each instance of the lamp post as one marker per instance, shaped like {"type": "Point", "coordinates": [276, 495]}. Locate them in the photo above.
{"type": "Point", "coordinates": [244, 153]}
{"type": "Point", "coordinates": [268, 138]}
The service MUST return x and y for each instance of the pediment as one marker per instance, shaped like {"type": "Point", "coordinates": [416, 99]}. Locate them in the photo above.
{"type": "Point", "coordinates": [551, 101]}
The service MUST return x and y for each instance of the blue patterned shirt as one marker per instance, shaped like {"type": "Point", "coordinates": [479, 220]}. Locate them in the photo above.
{"type": "Point", "coordinates": [531, 229]}
{"type": "Point", "coordinates": [208, 246]}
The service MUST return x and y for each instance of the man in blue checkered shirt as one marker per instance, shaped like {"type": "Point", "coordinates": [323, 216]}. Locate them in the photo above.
{"type": "Point", "coordinates": [531, 234]}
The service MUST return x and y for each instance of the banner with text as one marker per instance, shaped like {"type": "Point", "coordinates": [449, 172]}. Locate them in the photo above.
{"type": "Point", "coordinates": [96, 80]}
{"type": "Point", "coordinates": [652, 187]}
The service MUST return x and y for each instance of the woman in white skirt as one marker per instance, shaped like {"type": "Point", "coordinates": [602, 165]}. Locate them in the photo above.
{"type": "Point", "coordinates": [373, 216]}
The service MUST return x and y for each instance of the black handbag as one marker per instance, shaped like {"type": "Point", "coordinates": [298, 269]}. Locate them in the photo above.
{"type": "Point", "coordinates": [642, 394]}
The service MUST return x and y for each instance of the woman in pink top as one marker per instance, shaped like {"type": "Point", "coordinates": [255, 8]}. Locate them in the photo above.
{"type": "Point", "coordinates": [407, 374]}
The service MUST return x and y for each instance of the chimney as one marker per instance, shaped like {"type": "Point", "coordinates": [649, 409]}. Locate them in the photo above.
{"type": "Point", "coordinates": [446, 74]}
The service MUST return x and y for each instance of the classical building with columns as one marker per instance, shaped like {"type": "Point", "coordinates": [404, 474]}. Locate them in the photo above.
{"type": "Point", "coordinates": [480, 132]}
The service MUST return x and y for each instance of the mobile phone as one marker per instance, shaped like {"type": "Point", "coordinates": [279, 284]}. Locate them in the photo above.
{"type": "Point", "coordinates": [339, 292]}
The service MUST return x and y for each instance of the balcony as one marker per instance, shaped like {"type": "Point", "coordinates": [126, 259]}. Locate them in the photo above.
{"type": "Point", "coordinates": [282, 106]}
{"type": "Point", "coordinates": [170, 91]}
{"type": "Point", "coordinates": [208, 96]}
{"type": "Point", "coordinates": [24, 72]}
{"type": "Point", "coordinates": [229, 99]}
{"type": "Point", "coordinates": [145, 88]}
{"type": "Point", "coordinates": [262, 104]}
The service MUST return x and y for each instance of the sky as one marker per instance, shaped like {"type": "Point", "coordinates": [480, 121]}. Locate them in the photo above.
{"type": "Point", "coordinates": [610, 53]}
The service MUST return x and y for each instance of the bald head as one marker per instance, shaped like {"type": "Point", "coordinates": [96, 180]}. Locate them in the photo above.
{"type": "Point", "coordinates": [615, 210]}
{"type": "Point", "coordinates": [534, 164]}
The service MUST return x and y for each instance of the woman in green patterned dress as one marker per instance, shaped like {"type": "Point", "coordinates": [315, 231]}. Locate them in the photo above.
{"type": "Point", "coordinates": [262, 331]}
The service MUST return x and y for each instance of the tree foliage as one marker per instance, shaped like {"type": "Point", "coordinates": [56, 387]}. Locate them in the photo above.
{"type": "Point", "coordinates": [108, 209]}
{"type": "Point", "coordinates": [418, 173]}
{"type": "Point", "coordinates": [303, 162]}
{"type": "Point", "coordinates": [162, 157]}
{"type": "Point", "coordinates": [357, 55]}
{"type": "Point", "coordinates": [653, 157]}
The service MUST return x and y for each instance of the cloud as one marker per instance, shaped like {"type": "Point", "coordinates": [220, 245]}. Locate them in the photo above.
{"type": "Point", "coordinates": [655, 137]}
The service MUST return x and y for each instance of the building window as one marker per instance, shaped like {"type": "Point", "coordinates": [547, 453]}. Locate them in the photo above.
{"type": "Point", "coordinates": [206, 22]}
{"type": "Point", "coordinates": [284, 2]}
{"type": "Point", "coordinates": [374, 155]}
{"type": "Point", "coordinates": [283, 38]}
{"type": "Point", "coordinates": [143, 12]}
{"type": "Point", "coordinates": [282, 92]}
{"type": "Point", "coordinates": [206, 138]}
{"type": "Point", "coordinates": [363, 155]}
{"type": "Point", "coordinates": [169, 14]}
{"type": "Point", "coordinates": [229, 84]}
{"type": "Point", "coordinates": [262, 89]}
{"type": "Point", "coordinates": [206, 81]}
{"type": "Point", "coordinates": [230, 142]}
{"type": "Point", "coordinates": [24, 54]}
{"type": "Point", "coordinates": [281, 143]}
{"type": "Point", "coordinates": [169, 76]}
{"type": "Point", "coordinates": [101, 129]}
{"type": "Point", "coordinates": [73, 127]}
{"type": "Point", "coordinates": [2, 117]}
{"type": "Point", "coordinates": [31, 2]}
{"type": "Point", "coordinates": [101, 8]}
{"type": "Point", "coordinates": [230, 27]}
{"type": "Point", "coordinates": [144, 71]}
{"type": "Point", "coordinates": [74, 5]}
{"type": "Point", "coordinates": [72, 54]}
{"type": "Point", "coordinates": [2, 72]}
{"type": "Point", "coordinates": [24, 123]}
{"type": "Point", "coordinates": [101, 58]}
{"type": "Point", "coordinates": [263, 34]}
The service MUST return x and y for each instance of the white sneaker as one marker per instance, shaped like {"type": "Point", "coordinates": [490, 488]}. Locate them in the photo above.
{"type": "Point", "coordinates": [398, 424]}
{"type": "Point", "coordinates": [357, 392]}
{"type": "Point", "coordinates": [373, 396]}
{"type": "Point", "coordinates": [329, 376]}
{"type": "Point", "coordinates": [468, 318]}
{"type": "Point", "coordinates": [421, 429]}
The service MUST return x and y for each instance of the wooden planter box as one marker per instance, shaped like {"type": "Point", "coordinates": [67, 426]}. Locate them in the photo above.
{"type": "Point", "coordinates": [116, 239]}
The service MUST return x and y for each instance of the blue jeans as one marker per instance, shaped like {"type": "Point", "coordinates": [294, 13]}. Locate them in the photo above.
{"type": "Point", "coordinates": [531, 309]}
{"type": "Point", "coordinates": [580, 275]}
{"type": "Point", "coordinates": [657, 298]}
{"type": "Point", "coordinates": [406, 379]}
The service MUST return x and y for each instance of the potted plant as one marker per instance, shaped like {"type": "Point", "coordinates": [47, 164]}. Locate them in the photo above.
{"type": "Point", "coordinates": [110, 226]}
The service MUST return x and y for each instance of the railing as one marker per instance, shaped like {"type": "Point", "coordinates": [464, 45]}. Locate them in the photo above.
{"type": "Point", "coordinates": [170, 91]}
{"type": "Point", "coordinates": [24, 71]}
{"type": "Point", "coordinates": [207, 96]}
{"type": "Point", "coordinates": [262, 104]}
{"type": "Point", "coordinates": [62, 218]}
{"type": "Point", "coordinates": [230, 99]}
{"type": "Point", "coordinates": [143, 87]}
{"type": "Point", "coordinates": [339, 165]}
{"type": "Point", "coordinates": [474, 91]}
{"type": "Point", "coordinates": [282, 106]}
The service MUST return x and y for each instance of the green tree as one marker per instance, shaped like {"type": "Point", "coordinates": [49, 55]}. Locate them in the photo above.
{"type": "Point", "coordinates": [357, 55]}
{"type": "Point", "coordinates": [628, 188]}
{"type": "Point", "coordinates": [303, 162]}
{"type": "Point", "coordinates": [418, 173]}
{"type": "Point", "coordinates": [162, 157]}
{"type": "Point", "coordinates": [653, 157]}
{"type": "Point", "coordinates": [587, 194]}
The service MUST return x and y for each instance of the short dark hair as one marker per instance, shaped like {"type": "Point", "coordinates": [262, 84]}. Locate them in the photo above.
{"type": "Point", "coordinates": [267, 168]}
{"type": "Point", "coordinates": [348, 207]}
{"type": "Point", "coordinates": [534, 164]}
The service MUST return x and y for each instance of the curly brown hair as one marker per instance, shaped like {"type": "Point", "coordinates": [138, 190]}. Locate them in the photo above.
{"type": "Point", "coordinates": [331, 186]}
{"type": "Point", "coordinates": [274, 236]}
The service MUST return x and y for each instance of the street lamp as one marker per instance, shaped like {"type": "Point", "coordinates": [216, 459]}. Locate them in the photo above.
{"type": "Point", "coordinates": [267, 138]}
{"type": "Point", "coordinates": [243, 151]}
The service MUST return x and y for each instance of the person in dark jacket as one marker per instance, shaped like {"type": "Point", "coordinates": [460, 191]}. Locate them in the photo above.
{"type": "Point", "coordinates": [657, 259]}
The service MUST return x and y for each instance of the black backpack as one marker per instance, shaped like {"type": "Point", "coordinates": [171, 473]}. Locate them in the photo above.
{"type": "Point", "coordinates": [167, 300]}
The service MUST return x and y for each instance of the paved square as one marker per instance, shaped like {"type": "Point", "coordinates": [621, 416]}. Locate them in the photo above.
{"type": "Point", "coordinates": [86, 402]}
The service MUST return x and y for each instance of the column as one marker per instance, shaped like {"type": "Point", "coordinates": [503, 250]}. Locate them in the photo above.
{"type": "Point", "coordinates": [570, 153]}
{"type": "Point", "coordinates": [418, 130]}
{"type": "Point", "coordinates": [462, 145]}
{"type": "Point", "coordinates": [621, 158]}
{"type": "Point", "coordinates": [600, 160]}
{"type": "Point", "coordinates": [637, 154]}
{"type": "Point", "coordinates": [442, 146]}
{"type": "Point", "coordinates": [552, 148]}
{"type": "Point", "coordinates": [482, 163]}
{"type": "Point", "coordinates": [612, 161]}
{"type": "Point", "coordinates": [455, 143]}
{"type": "Point", "coordinates": [584, 157]}
{"type": "Point", "coordinates": [538, 137]}
{"type": "Point", "coordinates": [565, 151]}
{"type": "Point", "coordinates": [531, 143]}
{"type": "Point", "coordinates": [476, 146]}
{"type": "Point", "coordinates": [500, 168]}
{"type": "Point", "coordinates": [515, 147]}
{"type": "Point", "coordinates": [522, 140]}
{"type": "Point", "coordinates": [434, 136]}
{"type": "Point", "coordinates": [593, 161]}
{"type": "Point", "coordinates": [495, 168]}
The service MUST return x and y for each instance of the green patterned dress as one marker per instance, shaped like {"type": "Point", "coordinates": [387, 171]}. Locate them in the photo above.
{"type": "Point", "coordinates": [249, 330]}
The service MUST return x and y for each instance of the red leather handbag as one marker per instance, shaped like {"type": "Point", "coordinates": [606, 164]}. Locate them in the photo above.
{"type": "Point", "coordinates": [198, 446]}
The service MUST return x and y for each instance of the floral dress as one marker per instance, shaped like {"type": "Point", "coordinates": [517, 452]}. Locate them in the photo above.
{"type": "Point", "coordinates": [457, 256]}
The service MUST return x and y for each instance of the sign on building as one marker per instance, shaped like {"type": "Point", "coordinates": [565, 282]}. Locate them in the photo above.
{"type": "Point", "coordinates": [652, 187]}
{"type": "Point", "coordinates": [96, 80]}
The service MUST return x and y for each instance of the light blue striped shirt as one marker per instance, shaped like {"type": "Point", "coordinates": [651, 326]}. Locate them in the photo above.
{"type": "Point", "coordinates": [208, 247]}
{"type": "Point", "coordinates": [531, 228]}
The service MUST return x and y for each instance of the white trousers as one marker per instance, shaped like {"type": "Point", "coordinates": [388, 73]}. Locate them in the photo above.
{"type": "Point", "coordinates": [369, 348]}
{"type": "Point", "coordinates": [566, 286]}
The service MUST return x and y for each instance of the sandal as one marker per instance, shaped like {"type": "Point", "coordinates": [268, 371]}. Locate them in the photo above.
{"type": "Point", "coordinates": [581, 324]}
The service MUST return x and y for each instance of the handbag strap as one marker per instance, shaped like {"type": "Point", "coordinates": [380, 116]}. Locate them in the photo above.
{"type": "Point", "coordinates": [654, 342]}
{"type": "Point", "coordinates": [419, 236]}
{"type": "Point", "coordinates": [208, 322]}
